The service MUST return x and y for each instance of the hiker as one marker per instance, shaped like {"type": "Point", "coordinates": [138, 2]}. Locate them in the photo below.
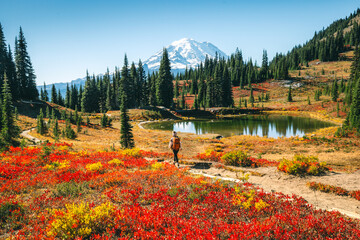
{"type": "Point", "coordinates": [175, 145]}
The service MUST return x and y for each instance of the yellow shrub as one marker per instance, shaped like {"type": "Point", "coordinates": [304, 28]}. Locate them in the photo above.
{"type": "Point", "coordinates": [55, 165]}
{"type": "Point", "coordinates": [80, 220]}
{"type": "Point", "coordinates": [94, 166]}
{"type": "Point", "coordinates": [248, 199]}
{"type": "Point", "coordinates": [134, 152]}
{"type": "Point", "coordinates": [157, 166]}
{"type": "Point", "coordinates": [116, 161]}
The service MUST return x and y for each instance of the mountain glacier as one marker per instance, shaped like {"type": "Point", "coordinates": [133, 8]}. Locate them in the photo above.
{"type": "Point", "coordinates": [184, 53]}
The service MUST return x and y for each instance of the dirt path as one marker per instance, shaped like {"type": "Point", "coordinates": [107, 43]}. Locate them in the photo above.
{"type": "Point", "coordinates": [26, 134]}
{"type": "Point", "coordinates": [274, 181]}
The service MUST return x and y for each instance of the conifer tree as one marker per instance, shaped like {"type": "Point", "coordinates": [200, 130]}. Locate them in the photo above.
{"type": "Point", "coordinates": [56, 131]}
{"type": "Point", "coordinates": [126, 136]}
{"type": "Point", "coordinates": [289, 97]}
{"type": "Point", "coordinates": [124, 86]}
{"type": "Point", "coordinates": [227, 90]}
{"type": "Point", "coordinates": [67, 96]}
{"type": "Point", "coordinates": [47, 112]}
{"type": "Point", "coordinates": [264, 71]}
{"type": "Point", "coordinates": [60, 100]}
{"type": "Point", "coordinates": [354, 115]}
{"type": "Point", "coordinates": [9, 130]}
{"type": "Point", "coordinates": [3, 55]}
{"type": "Point", "coordinates": [182, 99]}
{"type": "Point", "coordinates": [54, 97]}
{"type": "Point", "coordinates": [164, 84]}
{"type": "Point", "coordinates": [11, 75]}
{"type": "Point", "coordinates": [69, 132]}
{"type": "Point", "coordinates": [24, 70]}
{"type": "Point", "coordinates": [44, 94]}
{"type": "Point", "coordinates": [108, 103]}
{"type": "Point", "coordinates": [41, 127]}
{"type": "Point", "coordinates": [334, 91]}
{"type": "Point", "coordinates": [196, 104]}
{"type": "Point", "coordinates": [133, 88]}
{"type": "Point", "coordinates": [251, 98]}
{"type": "Point", "coordinates": [141, 87]}
{"type": "Point", "coordinates": [176, 89]}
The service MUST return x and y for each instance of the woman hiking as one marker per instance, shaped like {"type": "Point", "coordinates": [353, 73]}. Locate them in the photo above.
{"type": "Point", "coordinates": [175, 145]}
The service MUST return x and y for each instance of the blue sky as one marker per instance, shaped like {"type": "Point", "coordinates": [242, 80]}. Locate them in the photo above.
{"type": "Point", "coordinates": [67, 37]}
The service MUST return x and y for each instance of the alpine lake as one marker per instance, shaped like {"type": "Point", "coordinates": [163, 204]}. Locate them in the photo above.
{"type": "Point", "coordinates": [260, 125]}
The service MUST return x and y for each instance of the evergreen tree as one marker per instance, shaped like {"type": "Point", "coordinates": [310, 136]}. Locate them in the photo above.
{"type": "Point", "coordinates": [9, 130]}
{"type": "Point", "coordinates": [264, 71]}
{"type": "Point", "coordinates": [227, 90]}
{"type": "Point", "coordinates": [109, 100]}
{"type": "Point", "coordinates": [60, 100]}
{"type": "Point", "coordinates": [334, 91]}
{"type": "Point", "coordinates": [47, 112]}
{"type": "Point", "coordinates": [126, 136]}
{"type": "Point", "coordinates": [164, 84]}
{"type": "Point", "coordinates": [3, 55]}
{"type": "Point", "coordinates": [289, 97]}
{"type": "Point", "coordinates": [251, 98]}
{"type": "Point", "coordinates": [69, 132]}
{"type": "Point", "coordinates": [54, 97]}
{"type": "Point", "coordinates": [125, 86]}
{"type": "Point", "coordinates": [308, 100]}
{"type": "Point", "coordinates": [67, 96]}
{"type": "Point", "coordinates": [24, 70]}
{"type": "Point", "coordinates": [11, 75]}
{"type": "Point", "coordinates": [196, 104]}
{"type": "Point", "coordinates": [56, 131]}
{"type": "Point", "coordinates": [44, 94]}
{"type": "Point", "coordinates": [176, 89]}
{"type": "Point", "coordinates": [141, 87]}
{"type": "Point", "coordinates": [89, 100]}
{"type": "Point", "coordinates": [41, 127]}
{"type": "Point", "coordinates": [182, 99]}
{"type": "Point", "coordinates": [133, 88]}
{"type": "Point", "coordinates": [354, 115]}
{"type": "Point", "coordinates": [78, 124]}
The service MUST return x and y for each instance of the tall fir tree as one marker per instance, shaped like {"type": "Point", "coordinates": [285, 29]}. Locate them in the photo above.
{"type": "Point", "coordinates": [141, 87]}
{"type": "Point", "coordinates": [164, 84]}
{"type": "Point", "coordinates": [335, 91]}
{"type": "Point", "coordinates": [11, 75]}
{"type": "Point", "coordinates": [227, 98]}
{"type": "Point", "coordinates": [54, 97]}
{"type": "Point", "coordinates": [289, 97]}
{"type": "Point", "coordinates": [124, 86]}
{"type": "Point", "coordinates": [264, 71]}
{"type": "Point", "coordinates": [126, 136]}
{"type": "Point", "coordinates": [251, 98]}
{"type": "Point", "coordinates": [9, 130]}
{"type": "Point", "coordinates": [3, 55]}
{"type": "Point", "coordinates": [24, 70]}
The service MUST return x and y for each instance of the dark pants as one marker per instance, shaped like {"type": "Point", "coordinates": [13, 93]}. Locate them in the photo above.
{"type": "Point", "coordinates": [175, 155]}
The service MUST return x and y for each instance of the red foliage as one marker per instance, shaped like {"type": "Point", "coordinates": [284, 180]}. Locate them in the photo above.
{"type": "Point", "coordinates": [156, 200]}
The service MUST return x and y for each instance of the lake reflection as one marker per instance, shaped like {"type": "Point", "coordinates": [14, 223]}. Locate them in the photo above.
{"type": "Point", "coordinates": [261, 125]}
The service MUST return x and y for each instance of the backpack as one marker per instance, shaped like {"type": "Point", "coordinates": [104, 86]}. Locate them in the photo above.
{"type": "Point", "coordinates": [176, 144]}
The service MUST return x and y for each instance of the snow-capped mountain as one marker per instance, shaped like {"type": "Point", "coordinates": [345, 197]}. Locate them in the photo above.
{"type": "Point", "coordinates": [184, 53]}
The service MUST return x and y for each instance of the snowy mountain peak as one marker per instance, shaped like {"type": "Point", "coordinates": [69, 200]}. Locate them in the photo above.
{"type": "Point", "coordinates": [183, 53]}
